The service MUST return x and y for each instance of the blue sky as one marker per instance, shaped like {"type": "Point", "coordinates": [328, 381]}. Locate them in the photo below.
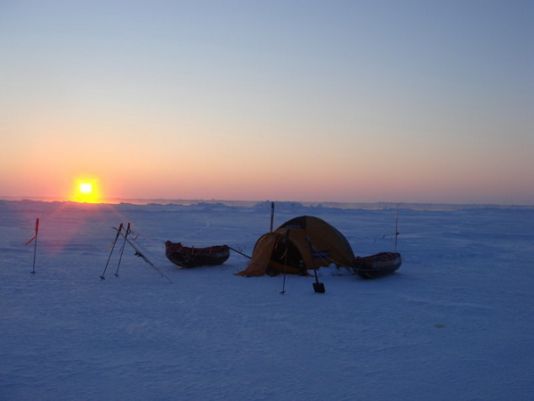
{"type": "Point", "coordinates": [339, 100]}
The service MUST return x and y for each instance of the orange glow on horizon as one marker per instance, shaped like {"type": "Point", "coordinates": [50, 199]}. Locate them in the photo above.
{"type": "Point", "coordinates": [86, 190]}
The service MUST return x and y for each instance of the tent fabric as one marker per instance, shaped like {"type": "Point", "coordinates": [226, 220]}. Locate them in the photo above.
{"type": "Point", "coordinates": [299, 244]}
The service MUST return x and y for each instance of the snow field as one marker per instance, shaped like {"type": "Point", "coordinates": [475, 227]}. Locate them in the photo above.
{"type": "Point", "coordinates": [455, 323]}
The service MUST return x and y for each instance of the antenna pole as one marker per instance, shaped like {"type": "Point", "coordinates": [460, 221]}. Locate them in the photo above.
{"type": "Point", "coordinates": [396, 227]}
{"type": "Point", "coordinates": [272, 215]}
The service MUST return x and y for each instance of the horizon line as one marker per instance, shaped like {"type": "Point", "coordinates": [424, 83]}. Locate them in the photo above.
{"type": "Point", "coordinates": [166, 200]}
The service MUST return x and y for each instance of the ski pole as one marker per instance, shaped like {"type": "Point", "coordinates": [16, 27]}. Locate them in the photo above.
{"type": "Point", "coordinates": [35, 243]}
{"type": "Point", "coordinates": [122, 249]}
{"type": "Point", "coordinates": [102, 276]}
{"type": "Point", "coordinates": [142, 256]}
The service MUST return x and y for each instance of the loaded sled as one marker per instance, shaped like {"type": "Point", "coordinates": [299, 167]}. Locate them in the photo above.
{"type": "Point", "coordinates": [378, 265]}
{"type": "Point", "coordinates": [185, 256]}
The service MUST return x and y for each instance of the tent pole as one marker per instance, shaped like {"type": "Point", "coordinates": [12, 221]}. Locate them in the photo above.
{"type": "Point", "coordinates": [285, 263]}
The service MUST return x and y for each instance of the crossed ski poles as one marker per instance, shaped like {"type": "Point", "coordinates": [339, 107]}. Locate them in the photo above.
{"type": "Point", "coordinates": [117, 235]}
{"type": "Point", "coordinates": [125, 236]}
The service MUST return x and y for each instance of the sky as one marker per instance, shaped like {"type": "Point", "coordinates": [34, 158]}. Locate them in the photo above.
{"type": "Point", "coordinates": [347, 101]}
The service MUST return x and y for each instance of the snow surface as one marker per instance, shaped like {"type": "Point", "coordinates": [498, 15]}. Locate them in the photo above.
{"type": "Point", "coordinates": [454, 323]}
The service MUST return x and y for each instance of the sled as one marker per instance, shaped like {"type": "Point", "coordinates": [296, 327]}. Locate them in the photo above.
{"type": "Point", "coordinates": [378, 265]}
{"type": "Point", "coordinates": [185, 256]}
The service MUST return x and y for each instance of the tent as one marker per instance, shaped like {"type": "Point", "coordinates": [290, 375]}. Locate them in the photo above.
{"type": "Point", "coordinates": [299, 244]}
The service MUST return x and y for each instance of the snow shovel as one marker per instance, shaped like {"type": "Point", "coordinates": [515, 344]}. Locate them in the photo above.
{"type": "Point", "coordinates": [317, 286]}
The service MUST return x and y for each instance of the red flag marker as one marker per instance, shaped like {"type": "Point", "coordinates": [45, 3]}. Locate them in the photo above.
{"type": "Point", "coordinates": [34, 239]}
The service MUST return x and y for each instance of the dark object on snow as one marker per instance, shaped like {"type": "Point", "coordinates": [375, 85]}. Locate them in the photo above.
{"type": "Point", "coordinates": [318, 287]}
{"type": "Point", "coordinates": [378, 265]}
{"type": "Point", "coordinates": [185, 256]}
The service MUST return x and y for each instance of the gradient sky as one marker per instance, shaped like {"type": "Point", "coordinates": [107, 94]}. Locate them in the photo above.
{"type": "Point", "coordinates": [401, 101]}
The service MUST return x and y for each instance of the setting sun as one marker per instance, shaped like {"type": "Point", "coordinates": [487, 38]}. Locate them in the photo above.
{"type": "Point", "coordinates": [86, 191]}
{"type": "Point", "coordinates": [86, 188]}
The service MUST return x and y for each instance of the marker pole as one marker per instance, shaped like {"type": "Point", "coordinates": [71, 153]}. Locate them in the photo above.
{"type": "Point", "coordinates": [35, 244]}
{"type": "Point", "coordinates": [272, 215]}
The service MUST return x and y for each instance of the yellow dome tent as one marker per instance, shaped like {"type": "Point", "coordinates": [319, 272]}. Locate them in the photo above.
{"type": "Point", "coordinates": [299, 244]}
